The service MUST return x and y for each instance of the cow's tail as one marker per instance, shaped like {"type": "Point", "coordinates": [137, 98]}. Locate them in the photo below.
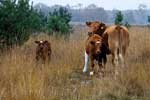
{"type": "Point", "coordinates": [120, 37]}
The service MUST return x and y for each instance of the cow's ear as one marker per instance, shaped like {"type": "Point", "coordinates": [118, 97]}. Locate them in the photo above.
{"type": "Point", "coordinates": [37, 42]}
{"type": "Point", "coordinates": [92, 42]}
{"type": "Point", "coordinates": [88, 23]}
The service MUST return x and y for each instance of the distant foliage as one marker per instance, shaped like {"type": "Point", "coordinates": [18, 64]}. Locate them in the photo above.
{"type": "Point", "coordinates": [17, 20]}
{"type": "Point", "coordinates": [119, 18]}
{"type": "Point", "coordinates": [58, 21]}
{"type": "Point", "coordinates": [148, 19]}
{"type": "Point", "coordinates": [127, 24]}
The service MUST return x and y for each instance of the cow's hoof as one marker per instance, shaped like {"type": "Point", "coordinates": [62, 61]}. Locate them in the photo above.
{"type": "Point", "coordinates": [92, 73]}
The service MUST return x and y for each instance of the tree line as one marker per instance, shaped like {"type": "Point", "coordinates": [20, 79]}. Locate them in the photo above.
{"type": "Point", "coordinates": [93, 12]}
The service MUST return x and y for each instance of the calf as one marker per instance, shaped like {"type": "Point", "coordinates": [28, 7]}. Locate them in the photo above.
{"type": "Point", "coordinates": [95, 49]}
{"type": "Point", "coordinates": [43, 51]}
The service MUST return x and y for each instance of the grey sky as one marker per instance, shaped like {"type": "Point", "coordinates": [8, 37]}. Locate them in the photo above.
{"type": "Point", "coordinates": [107, 4]}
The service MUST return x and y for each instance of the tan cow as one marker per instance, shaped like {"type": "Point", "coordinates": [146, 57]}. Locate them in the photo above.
{"type": "Point", "coordinates": [115, 37]}
{"type": "Point", "coordinates": [43, 51]}
{"type": "Point", "coordinates": [95, 49]}
{"type": "Point", "coordinates": [118, 42]}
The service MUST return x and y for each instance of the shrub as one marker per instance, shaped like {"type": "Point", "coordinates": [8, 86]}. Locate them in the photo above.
{"type": "Point", "coordinates": [127, 24]}
{"type": "Point", "coordinates": [118, 18]}
{"type": "Point", "coordinates": [18, 19]}
{"type": "Point", "coordinates": [58, 22]}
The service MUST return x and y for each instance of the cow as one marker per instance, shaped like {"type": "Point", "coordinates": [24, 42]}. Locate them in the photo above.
{"type": "Point", "coordinates": [95, 49]}
{"type": "Point", "coordinates": [43, 51]}
{"type": "Point", "coordinates": [115, 37]}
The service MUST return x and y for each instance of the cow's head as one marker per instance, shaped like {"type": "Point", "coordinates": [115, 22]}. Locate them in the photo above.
{"type": "Point", "coordinates": [96, 27]}
{"type": "Point", "coordinates": [41, 44]}
{"type": "Point", "coordinates": [96, 43]}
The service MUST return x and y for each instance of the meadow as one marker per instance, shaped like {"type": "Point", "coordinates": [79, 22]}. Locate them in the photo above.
{"type": "Point", "coordinates": [21, 78]}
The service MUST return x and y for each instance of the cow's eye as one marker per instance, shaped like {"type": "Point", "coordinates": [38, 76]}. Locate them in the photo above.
{"type": "Point", "coordinates": [92, 42]}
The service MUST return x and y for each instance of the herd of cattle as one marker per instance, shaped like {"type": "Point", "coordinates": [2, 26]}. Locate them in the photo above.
{"type": "Point", "coordinates": [102, 40]}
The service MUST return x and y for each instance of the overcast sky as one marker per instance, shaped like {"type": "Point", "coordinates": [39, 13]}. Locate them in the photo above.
{"type": "Point", "coordinates": [107, 4]}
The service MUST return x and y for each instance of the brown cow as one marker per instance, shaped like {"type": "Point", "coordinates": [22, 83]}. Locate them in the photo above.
{"type": "Point", "coordinates": [115, 37]}
{"type": "Point", "coordinates": [95, 49]}
{"type": "Point", "coordinates": [43, 51]}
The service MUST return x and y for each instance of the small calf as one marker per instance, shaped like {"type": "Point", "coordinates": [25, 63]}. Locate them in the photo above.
{"type": "Point", "coordinates": [95, 49]}
{"type": "Point", "coordinates": [43, 51]}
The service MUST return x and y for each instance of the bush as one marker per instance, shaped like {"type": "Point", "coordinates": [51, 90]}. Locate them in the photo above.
{"type": "Point", "coordinates": [148, 19]}
{"type": "Point", "coordinates": [18, 19]}
{"type": "Point", "coordinates": [58, 22]}
{"type": "Point", "coordinates": [127, 24]}
{"type": "Point", "coordinates": [119, 18]}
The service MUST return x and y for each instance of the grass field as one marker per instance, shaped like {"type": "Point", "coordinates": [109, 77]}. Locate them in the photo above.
{"type": "Point", "coordinates": [21, 78]}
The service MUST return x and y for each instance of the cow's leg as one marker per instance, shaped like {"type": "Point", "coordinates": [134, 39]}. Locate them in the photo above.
{"type": "Point", "coordinates": [115, 61]}
{"type": "Point", "coordinates": [101, 68]}
{"type": "Point", "coordinates": [86, 62]}
{"type": "Point", "coordinates": [37, 58]}
{"type": "Point", "coordinates": [92, 65]}
{"type": "Point", "coordinates": [43, 59]}
{"type": "Point", "coordinates": [115, 58]}
{"type": "Point", "coordinates": [49, 56]}
{"type": "Point", "coordinates": [105, 60]}
{"type": "Point", "coordinates": [122, 57]}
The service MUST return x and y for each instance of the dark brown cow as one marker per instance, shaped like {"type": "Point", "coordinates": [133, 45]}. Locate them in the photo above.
{"type": "Point", "coordinates": [95, 49]}
{"type": "Point", "coordinates": [43, 51]}
{"type": "Point", "coordinates": [115, 37]}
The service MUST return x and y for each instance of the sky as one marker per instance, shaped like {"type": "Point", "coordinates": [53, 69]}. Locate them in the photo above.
{"type": "Point", "coordinates": [106, 4]}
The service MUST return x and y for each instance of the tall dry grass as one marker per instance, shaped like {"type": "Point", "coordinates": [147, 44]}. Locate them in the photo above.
{"type": "Point", "coordinates": [21, 78]}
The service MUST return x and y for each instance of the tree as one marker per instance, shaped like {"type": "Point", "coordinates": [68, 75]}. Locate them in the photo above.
{"type": "Point", "coordinates": [118, 18]}
{"type": "Point", "coordinates": [148, 19]}
{"type": "Point", "coordinates": [18, 19]}
{"type": "Point", "coordinates": [58, 21]}
{"type": "Point", "coordinates": [127, 24]}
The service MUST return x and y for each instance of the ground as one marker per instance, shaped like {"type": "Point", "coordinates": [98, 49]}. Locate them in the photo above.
{"type": "Point", "coordinates": [21, 78]}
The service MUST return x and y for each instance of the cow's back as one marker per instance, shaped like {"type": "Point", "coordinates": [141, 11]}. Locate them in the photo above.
{"type": "Point", "coordinates": [117, 36]}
